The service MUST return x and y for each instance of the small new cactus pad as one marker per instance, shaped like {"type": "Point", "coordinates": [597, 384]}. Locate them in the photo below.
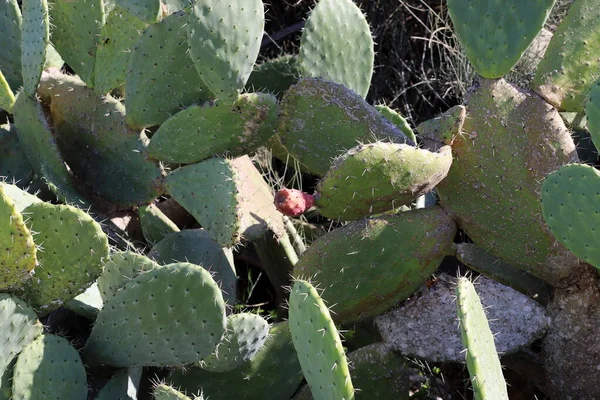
{"type": "Point", "coordinates": [570, 204]}
{"type": "Point", "coordinates": [99, 148]}
{"type": "Point", "coordinates": [73, 249]}
{"type": "Point", "coordinates": [35, 36]}
{"type": "Point", "coordinates": [161, 57]}
{"type": "Point", "coordinates": [482, 360]}
{"type": "Point", "coordinates": [168, 316]}
{"type": "Point", "coordinates": [49, 368]}
{"type": "Point", "coordinates": [369, 265]}
{"type": "Point", "coordinates": [493, 187]}
{"type": "Point", "coordinates": [321, 120]}
{"type": "Point", "coordinates": [13, 161]}
{"type": "Point", "coordinates": [274, 76]}
{"type": "Point", "coordinates": [82, 20]}
{"type": "Point", "coordinates": [7, 97]}
{"type": "Point", "coordinates": [166, 392]}
{"type": "Point", "coordinates": [18, 327]}
{"type": "Point", "coordinates": [197, 247]}
{"type": "Point", "coordinates": [37, 140]}
{"type": "Point", "coordinates": [10, 32]}
{"type": "Point", "coordinates": [200, 132]}
{"type": "Point", "coordinates": [20, 198]}
{"type": "Point", "coordinates": [446, 127]}
{"type": "Point", "coordinates": [238, 204]}
{"type": "Point", "coordinates": [570, 65]}
{"type": "Point", "coordinates": [120, 269]}
{"type": "Point", "coordinates": [274, 371]}
{"type": "Point", "coordinates": [123, 385]}
{"type": "Point", "coordinates": [293, 202]}
{"type": "Point", "coordinates": [120, 33]}
{"type": "Point", "coordinates": [377, 177]}
{"type": "Point", "coordinates": [495, 34]}
{"type": "Point", "coordinates": [395, 118]}
{"type": "Point", "coordinates": [18, 256]}
{"type": "Point", "coordinates": [224, 38]}
{"type": "Point", "coordinates": [155, 224]}
{"type": "Point", "coordinates": [318, 344]}
{"type": "Point", "coordinates": [148, 10]}
{"type": "Point", "coordinates": [592, 112]}
{"type": "Point", "coordinates": [246, 333]}
{"type": "Point", "coordinates": [337, 45]}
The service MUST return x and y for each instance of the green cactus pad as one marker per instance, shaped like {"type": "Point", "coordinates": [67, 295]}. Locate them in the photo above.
{"type": "Point", "coordinates": [6, 381]}
{"type": "Point", "coordinates": [318, 345]}
{"type": "Point", "coordinates": [119, 270]}
{"type": "Point", "coordinates": [108, 157]}
{"type": "Point", "coordinates": [155, 224]}
{"type": "Point", "coordinates": [161, 78]}
{"type": "Point", "coordinates": [18, 326]}
{"type": "Point", "coordinates": [7, 97]}
{"type": "Point", "coordinates": [224, 38]}
{"type": "Point", "coordinates": [82, 20]}
{"type": "Point", "coordinates": [169, 316]}
{"type": "Point", "coordinates": [53, 59]}
{"type": "Point", "coordinates": [18, 258]}
{"type": "Point", "coordinates": [482, 360]}
{"type": "Point", "coordinates": [123, 385]}
{"type": "Point", "coordinates": [395, 118]}
{"type": "Point", "coordinates": [570, 64]}
{"type": "Point", "coordinates": [147, 10]}
{"type": "Point", "coordinates": [495, 34]}
{"type": "Point", "coordinates": [87, 304]}
{"type": "Point", "coordinates": [10, 32]}
{"type": "Point", "coordinates": [592, 112]}
{"type": "Point", "coordinates": [378, 259]}
{"type": "Point", "coordinates": [240, 203]}
{"type": "Point", "coordinates": [337, 45]}
{"type": "Point", "coordinates": [569, 205]}
{"type": "Point", "coordinates": [274, 370]}
{"type": "Point", "coordinates": [510, 141]}
{"type": "Point", "coordinates": [378, 177]}
{"type": "Point", "coordinates": [14, 165]}
{"type": "Point", "coordinates": [38, 142]}
{"type": "Point", "coordinates": [274, 76]}
{"type": "Point", "coordinates": [120, 33]}
{"type": "Point", "coordinates": [321, 120]}
{"type": "Point", "coordinates": [49, 368]}
{"type": "Point", "coordinates": [446, 127]}
{"type": "Point", "coordinates": [20, 198]}
{"type": "Point", "coordinates": [246, 333]}
{"type": "Point", "coordinates": [35, 37]}
{"type": "Point", "coordinates": [73, 251]}
{"type": "Point", "coordinates": [197, 247]}
{"type": "Point", "coordinates": [165, 392]}
{"type": "Point", "coordinates": [198, 132]}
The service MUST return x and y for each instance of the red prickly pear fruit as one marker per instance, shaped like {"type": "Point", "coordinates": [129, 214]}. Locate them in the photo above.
{"type": "Point", "coordinates": [293, 202]}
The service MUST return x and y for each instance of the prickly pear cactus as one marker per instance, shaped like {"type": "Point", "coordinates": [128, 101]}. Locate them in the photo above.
{"type": "Point", "coordinates": [121, 268]}
{"type": "Point", "coordinates": [482, 359]}
{"type": "Point", "coordinates": [35, 36]}
{"type": "Point", "coordinates": [13, 161]}
{"type": "Point", "coordinates": [165, 392]}
{"type": "Point", "coordinates": [318, 344]}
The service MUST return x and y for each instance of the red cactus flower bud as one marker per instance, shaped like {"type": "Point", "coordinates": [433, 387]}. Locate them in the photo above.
{"type": "Point", "coordinates": [293, 202]}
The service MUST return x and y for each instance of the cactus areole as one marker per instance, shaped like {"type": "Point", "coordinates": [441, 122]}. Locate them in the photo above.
{"type": "Point", "coordinates": [293, 202]}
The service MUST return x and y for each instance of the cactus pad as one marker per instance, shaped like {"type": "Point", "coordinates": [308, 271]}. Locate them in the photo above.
{"type": "Point", "coordinates": [274, 370]}
{"type": "Point", "coordinates": [224, 38]}
{"type": "Point", "coordinates": [178, 305]}
{"type": "Point", "coordinates": [82, 20]}
{"type": "Point", "coordinates": [123, 385]}
{"type": "Point", "coordinates": [318, 344]}
{"type": "Point", "coordinates": [274, 76]}
{"type": "Point", "coordinates": [14, 165]}
{"type": "Point", "coordinates": [73, 251]}
{"type": "Point", "coordinates": [155, 224]}
{"type": "Point", "coordinates": [378, 177]}
{"type": "Point", "coordinates": [121, 268]}
{"type": "Point", "coordinates": [10, 32]}
{"type": "Point", "coordinates": [569, 206]}
{"type": "Point", "coordinates": [395, 118]}
{"type": "Point", "coordinates": [592, 112]}
{"type": "Point", "coordinates": [20, 198]}
{"type": "Point", "coordinates": [321, 120]}
{"type": "Point", "coordinates": [18, 258]}
{"type": "Point", "coordinates": [160, 56]}
{"type": "Point", "coordinates": [7, 97]}
{"type": "Point", "coordinates": [337, 45]}
{"type": "Point", "coordinates": [495, 34]}
{"type": "Point", "coordinates": [49, 368]}
{"type": "Point", "coordinates": [245, 336]}
{"type": "Point", "coordinates": [87, 304]}
{"type": "Point", "coordinates": [383, 260]}
{"type": "Point", "coordinates": [198, 132]}
{"type": "Point", "coordinates": [165, 392]}
{"type": "Point", "coordinates": [35, 37]}
{"type": "Point", "coordinates": [482, 360]}
{"type": "Point", "coordinates": [148, 10]}
{"type": "Point", "coordinates": [570, 64]}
